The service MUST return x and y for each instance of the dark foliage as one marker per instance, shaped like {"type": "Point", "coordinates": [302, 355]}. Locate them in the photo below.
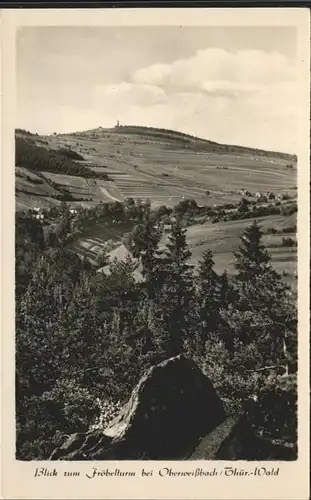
{"type": "Point", "coordinates": [83, 338]}
{"type": "Point", "coordinates": [70, 153]}
{"type": "Point", "coordinates": [38, 158]}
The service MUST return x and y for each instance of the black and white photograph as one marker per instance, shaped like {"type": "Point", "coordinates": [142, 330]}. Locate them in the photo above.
{"type": "Point", "coordinates": [156, 243]}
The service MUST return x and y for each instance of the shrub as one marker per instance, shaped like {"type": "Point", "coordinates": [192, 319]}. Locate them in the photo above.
{"type": "Point", "coordinates": [271, 230]}
{"type": "Point", "coordinates": [274, 412]}
{"type": "Point", "coordinates": [70, 153]}
{"type": "Point", "coordinates": [108, 411]}
{"type": "Point", "coordinates": [67, 407]}
{"type": "Point", "coordinates": [288, 242]}
{"type": "Point", "coordinates": [289, 229]}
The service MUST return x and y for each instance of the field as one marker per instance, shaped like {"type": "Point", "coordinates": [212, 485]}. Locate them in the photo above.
{"type": "Point", "coordinates": [223, 239]}
{"type": "Point", "coordinates": [165, 169]}
{"type": "Point", "coordinates": [97, 237]}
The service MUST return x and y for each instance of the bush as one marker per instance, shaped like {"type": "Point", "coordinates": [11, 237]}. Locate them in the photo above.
{"type": "Point", "coordinates": [289, 209]}
{"type": "Point", "coordinates": [70, 153]}
{"type": "Point", "coordinates": [271, 230]}
{"type": "Point", "coordinates": [274, 412]}
{"type": "Point", "coordinates": [67, 407]}
{"type": "Point", "coordinates": [270, 401]}
{"type": "Point", "coordinates": [108, 411]}
{"type": "Point", "coordinates": [289, 229]}
{"type": "Point", "coordinates": [288, 242]}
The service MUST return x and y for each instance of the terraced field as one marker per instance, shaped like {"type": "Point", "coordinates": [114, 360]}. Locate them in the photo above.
{"type": "Point", "coordinates": [166, 170]}
{"type": "Point", "coordinates": [97, 237]}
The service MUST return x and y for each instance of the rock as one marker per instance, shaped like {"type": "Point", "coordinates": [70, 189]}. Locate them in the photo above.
{"type": "Point", "coordinates": [235, 439]}
{"type": "Point", "coordinates": [172, 407]}
{"type": "Point", "coordinates": [81, 446]}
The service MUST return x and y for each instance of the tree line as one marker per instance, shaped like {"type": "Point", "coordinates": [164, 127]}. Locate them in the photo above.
{"type": "Point", "coordinates": [39, 158]}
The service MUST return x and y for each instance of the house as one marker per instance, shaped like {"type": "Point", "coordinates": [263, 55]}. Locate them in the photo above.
{"type": "Point", "coordinates": [37, 213]}
{"type": "Point", "coordinates": [121, 254]}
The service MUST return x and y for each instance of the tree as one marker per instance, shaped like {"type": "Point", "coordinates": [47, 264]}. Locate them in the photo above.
{"type": "Point", "coordinates": [226, 291]}
{"type": "Point", "coordinates": [252, 259]}
{"type": "Point", "coordinates": [208, 295]}
{"type": "Point", "coordinates": [130, 208]}
{"type": "Point", "coordinates": [264, 311]}
{"type": "Point", "coordinates": [243, 207]}
{"type": "Point", "coordinates": [143, 243]}
{"type": "Point", "coordinates": [178, 293]}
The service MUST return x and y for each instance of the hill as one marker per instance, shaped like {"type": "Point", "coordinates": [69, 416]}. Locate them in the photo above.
{"type": "Point", "coordinates": [139, 162]}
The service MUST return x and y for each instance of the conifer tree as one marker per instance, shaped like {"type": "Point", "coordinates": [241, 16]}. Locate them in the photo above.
{"type": "Point", "coordinates": [264, 311]}
{"type": "Point", "coordinates": [178, 294]}
{"type": "Point", "coordinates": [143, 244]}
{"type": "Point", "coordinates": [252, 259]}
{"type": "Point", "coordinates": [208, 293]}
{"type": "Point", "coordinates": [226, 291]}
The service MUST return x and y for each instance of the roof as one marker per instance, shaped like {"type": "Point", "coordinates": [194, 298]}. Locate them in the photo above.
{"type": "Point", "coordinates": [121, 253]}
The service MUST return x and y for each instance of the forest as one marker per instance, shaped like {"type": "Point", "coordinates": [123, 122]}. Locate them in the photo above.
{"type": "Point", "coordinates": [84, 338]}
{"type": "Point", "coordinates": [63, 161]}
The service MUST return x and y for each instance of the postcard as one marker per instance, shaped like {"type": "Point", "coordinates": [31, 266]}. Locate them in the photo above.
{"type": "Point", "coordinates": [155, 253]}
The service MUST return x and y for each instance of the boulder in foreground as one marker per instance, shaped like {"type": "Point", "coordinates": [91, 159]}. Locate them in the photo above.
{"type": "Point", "coordinates": [174, 413]}
{"type": "Point", "coordinates": [172, 407]}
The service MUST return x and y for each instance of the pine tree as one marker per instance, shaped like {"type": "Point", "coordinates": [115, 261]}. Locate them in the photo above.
{"type": "Point", "coordinates": [264, 312]}
{"type": "Point", "coordinates": [178, 294]}
{"type": "Point", "coordinates": [208, 294]}
{"type": "Point", "coordinates": [252, 259]}
{"type": "Point", "coordinates": [226, 290]}
{"type": "Point", "coordinates": [143, 244]}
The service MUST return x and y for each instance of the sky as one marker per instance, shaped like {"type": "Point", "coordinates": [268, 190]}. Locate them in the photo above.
{"type": "Point", "coordinates": [234, 85]}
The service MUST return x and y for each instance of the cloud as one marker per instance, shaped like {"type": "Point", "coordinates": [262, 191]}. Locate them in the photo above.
{"type": "Point", "coordinates": [129, 93]}
{"type": "Point", "coordinates": [244, 68]}
{"type": "Point", "coordinates": [247, 97]}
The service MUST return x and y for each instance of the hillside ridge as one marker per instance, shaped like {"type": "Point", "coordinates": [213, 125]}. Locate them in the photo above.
{"type": "Point", "coordinates": [198, 143]}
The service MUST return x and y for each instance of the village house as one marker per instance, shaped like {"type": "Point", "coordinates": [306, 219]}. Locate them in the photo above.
{"type": "Point", "coordinates": [37, 213]}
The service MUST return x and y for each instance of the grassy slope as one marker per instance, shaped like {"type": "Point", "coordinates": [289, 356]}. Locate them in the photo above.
{"type": "Point", "coordinates": [166, 167]}
{"type": "Point", "coordinates": [223, 239]}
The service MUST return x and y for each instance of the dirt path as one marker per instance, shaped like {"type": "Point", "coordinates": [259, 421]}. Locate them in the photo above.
{"type": "Point", "coordinates": [106, 193]}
